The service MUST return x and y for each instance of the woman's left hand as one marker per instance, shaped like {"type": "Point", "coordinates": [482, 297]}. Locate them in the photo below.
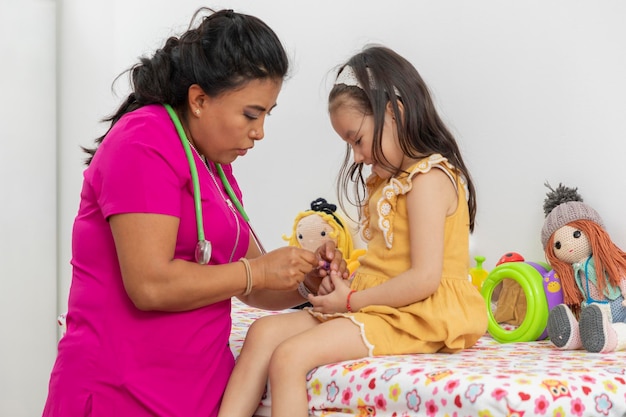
{"type": "Point", "coordinates": [330, 259]}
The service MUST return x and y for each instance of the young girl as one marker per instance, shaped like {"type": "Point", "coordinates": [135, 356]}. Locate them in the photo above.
{"type": "Point", "coordinates": [410, 293]}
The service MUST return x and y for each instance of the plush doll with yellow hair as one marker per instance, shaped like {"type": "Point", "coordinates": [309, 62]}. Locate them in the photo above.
{"type": "Point", "coordinates": [592, 270]}
{"type": "Point", "coordinates": [319, 224]}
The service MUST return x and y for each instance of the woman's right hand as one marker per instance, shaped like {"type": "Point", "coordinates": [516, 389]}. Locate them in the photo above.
{"type": "Point", "coordinates": [282, 269]}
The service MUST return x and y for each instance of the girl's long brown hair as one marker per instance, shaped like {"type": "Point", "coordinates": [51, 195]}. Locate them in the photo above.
{"type": "Point", "coordinates": [387, 78]}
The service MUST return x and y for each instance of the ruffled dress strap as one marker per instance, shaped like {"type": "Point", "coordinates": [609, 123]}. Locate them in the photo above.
{"type": "Point", "coordinates": [386, 204]}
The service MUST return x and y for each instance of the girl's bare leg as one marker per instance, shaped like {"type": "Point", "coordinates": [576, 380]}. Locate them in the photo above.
{"type": "Point", "coordinates": [333, 341]}
{"type": "Point", "coordinates": [247, 382]}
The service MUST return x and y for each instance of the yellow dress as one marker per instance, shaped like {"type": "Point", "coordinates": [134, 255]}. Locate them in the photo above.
{"type": "Point", "coordinates": [452, 318]}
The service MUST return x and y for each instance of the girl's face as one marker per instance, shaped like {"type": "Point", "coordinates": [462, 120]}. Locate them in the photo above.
{"type": "Point", "coordinates": [223, 128]}
{"type": "Point", "coordinates": [357, 129]}
{"type": "Point", "coordinates": [571, 245]}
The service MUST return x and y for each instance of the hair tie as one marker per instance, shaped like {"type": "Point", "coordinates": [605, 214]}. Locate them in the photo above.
{"type": "Point", "coordinates": [348, 77]}
{"type": "Point", "coordinates": [325, 207]}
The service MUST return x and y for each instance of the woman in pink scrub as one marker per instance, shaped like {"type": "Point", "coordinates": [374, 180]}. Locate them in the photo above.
{"type": "Point", "coordinates": [148, 322]}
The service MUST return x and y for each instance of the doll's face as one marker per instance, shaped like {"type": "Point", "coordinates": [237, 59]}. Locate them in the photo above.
{"type": "Point", "coordinates": [312, 231]}
{"type": "Point", "coordinates": [571, 245]}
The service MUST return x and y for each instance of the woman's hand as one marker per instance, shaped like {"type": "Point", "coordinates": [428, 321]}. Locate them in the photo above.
{"type": "Point", "coordinates": [329, 259]}
{"type": "Point", "coordinates": [277, 274]}
{"type": "Point", "coordinates": [282, 269]}
{"type": "Point", "coordinates": [336, 300]}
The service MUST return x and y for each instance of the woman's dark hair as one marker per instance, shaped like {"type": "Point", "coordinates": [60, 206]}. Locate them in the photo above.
{"type": "Point", "coordinates": [224, 52]}
{"type": "Point", "coordinates": [388, 78]}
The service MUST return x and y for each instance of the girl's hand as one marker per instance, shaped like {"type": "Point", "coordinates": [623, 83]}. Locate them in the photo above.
{"type": "Point", "coordinates": [329, 259]}
{"type": "Point", "coordinates": [335, 301]}
{"type": "Point", "coordinates": [326, 286]}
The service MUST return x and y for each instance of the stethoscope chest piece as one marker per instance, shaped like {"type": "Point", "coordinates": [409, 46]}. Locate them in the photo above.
{"type": "Point", "coordinates": [203, 252]}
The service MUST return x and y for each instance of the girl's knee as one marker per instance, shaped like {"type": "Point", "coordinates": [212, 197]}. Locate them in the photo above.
{"type": "Point", "coordinates": [259, 343]}
{"type": "Point", "coordinates": [287, 358]}
{"type": "Point", "coordinates": [263, 328]}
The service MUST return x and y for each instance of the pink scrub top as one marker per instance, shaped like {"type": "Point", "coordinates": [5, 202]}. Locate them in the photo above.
{"type": "Point", "coordinates": [114, 359]}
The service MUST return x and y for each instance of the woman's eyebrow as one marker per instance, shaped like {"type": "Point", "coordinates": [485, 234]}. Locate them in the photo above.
{"type": "Point", "coordinates": [261, 108]}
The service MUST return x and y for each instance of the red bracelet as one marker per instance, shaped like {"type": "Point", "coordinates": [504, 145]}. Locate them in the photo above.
{"type": "Point", "coordinates": [348, 306]}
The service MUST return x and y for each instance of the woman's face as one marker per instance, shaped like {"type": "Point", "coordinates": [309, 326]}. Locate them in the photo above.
{"type": "Point", "coordinates": [223, 128]}
{"type": "Point", "coordinates": [357, 129]}
{"type": "Point", "coordinates": [571, 245]}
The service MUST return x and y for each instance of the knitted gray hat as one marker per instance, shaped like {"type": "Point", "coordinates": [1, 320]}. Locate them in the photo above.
{"type": "Point", "coordinates": [562, 206]}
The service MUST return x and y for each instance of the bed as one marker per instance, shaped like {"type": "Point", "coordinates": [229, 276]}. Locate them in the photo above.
{"type": "Point", "coordinates": [491, 379]}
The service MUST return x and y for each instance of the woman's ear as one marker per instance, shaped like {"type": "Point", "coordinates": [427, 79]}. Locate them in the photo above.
{"type": "Point", "coordinates": [195, 98]}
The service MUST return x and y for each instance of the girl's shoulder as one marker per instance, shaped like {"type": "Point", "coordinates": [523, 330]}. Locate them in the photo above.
{"type": "Point", "coordinates": [403, 182]}
{"type": "Point", "coordinates": [424, 165]}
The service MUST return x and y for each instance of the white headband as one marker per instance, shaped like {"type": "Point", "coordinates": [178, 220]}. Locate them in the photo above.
{"type": "Point", "coordinates": [348, 77]}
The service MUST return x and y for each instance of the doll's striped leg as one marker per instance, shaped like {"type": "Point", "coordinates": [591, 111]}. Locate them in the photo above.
{"type": "Point", "coordinates": [563, 329]}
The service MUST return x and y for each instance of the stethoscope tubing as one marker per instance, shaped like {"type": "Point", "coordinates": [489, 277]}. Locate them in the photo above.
{"type": "Point", "coordinates": [196, 184]}
{"type": "Point", "coordinates": [197, 200]}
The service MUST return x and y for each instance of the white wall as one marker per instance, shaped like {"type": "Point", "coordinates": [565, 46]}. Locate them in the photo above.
{"type": "Point", "coordinates": [533, 90]}
{"type": "Point", "coordinates": [28, 195]}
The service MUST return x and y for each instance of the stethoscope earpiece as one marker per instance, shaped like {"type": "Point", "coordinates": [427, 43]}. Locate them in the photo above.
{"type": "Point", "coordinates": [203, 252]}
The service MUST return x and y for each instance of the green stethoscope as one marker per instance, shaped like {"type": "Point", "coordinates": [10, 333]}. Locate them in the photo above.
{"type": "Point", "coordinates": [203, 247]}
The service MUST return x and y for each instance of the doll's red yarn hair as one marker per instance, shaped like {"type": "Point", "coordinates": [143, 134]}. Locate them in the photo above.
{"type": "Point", "coordinates": [609, 259]}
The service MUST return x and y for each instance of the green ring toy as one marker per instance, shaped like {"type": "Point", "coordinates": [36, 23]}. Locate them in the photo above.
{"type": "Point", "coordinates": [532, 278]}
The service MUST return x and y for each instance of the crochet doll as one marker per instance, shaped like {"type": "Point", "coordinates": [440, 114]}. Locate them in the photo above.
{"type": "Point", "coordinates": [592, 270]}
{"type": "Point", "coordinates": [313, 227]}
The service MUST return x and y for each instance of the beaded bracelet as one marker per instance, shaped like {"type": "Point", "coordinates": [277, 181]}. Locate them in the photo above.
{"type": "Point", "coordinates": [246, 263]}
{"type": "Point", "coordinates": [304, 291]}
{"type": "Point", "coordinates": [348, 306]}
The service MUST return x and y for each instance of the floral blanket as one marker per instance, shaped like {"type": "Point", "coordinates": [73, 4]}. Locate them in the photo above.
{"type": "Point", "coordinates": [488, 380]}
